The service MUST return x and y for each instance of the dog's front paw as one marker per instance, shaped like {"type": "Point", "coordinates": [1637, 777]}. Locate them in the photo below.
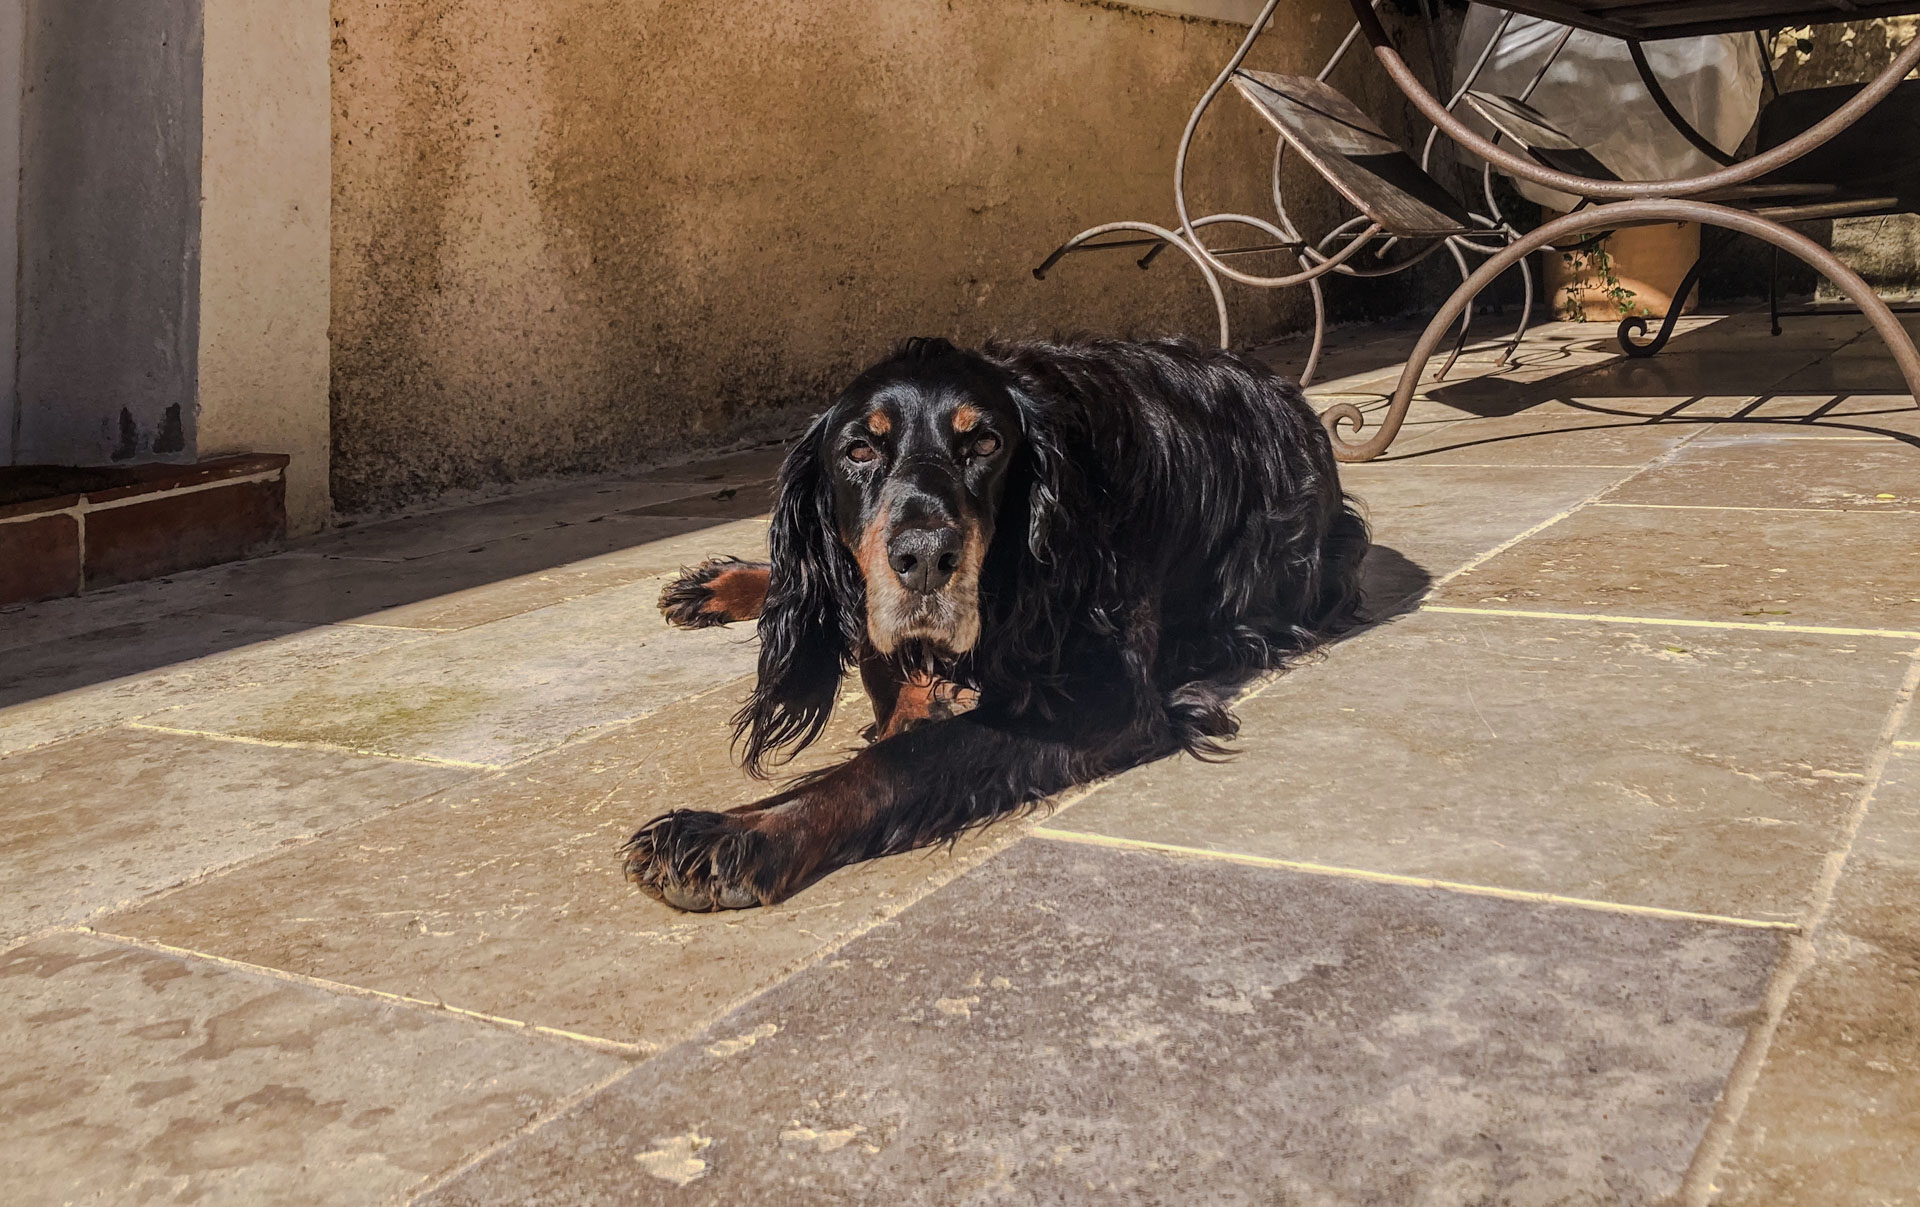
{"type": "Point", "coordinates": [720, 591]}
{"type": "Point", "coordinates": [701, 861]}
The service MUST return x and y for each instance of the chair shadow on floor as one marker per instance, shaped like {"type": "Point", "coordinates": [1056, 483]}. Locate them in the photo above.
{"type": "Point", "coordinates": [1594, 417]}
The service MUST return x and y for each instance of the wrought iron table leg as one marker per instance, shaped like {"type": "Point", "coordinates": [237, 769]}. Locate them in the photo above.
{"type": "Point", "coordinates": [1636, 324]}
{"type": "Point", "coordinates": [1773, 288]}
{"type": "Point", "coordinates": [1346, 415]}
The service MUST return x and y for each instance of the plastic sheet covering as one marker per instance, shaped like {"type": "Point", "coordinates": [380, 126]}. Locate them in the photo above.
{"type": "Point", "coordinates": [1594, 94]}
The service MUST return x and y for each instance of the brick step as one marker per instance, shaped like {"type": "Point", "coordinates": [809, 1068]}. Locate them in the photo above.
{"type": "Point", "coordinates": [65, 530]}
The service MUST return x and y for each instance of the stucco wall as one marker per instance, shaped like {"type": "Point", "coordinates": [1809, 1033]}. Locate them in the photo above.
{"type": "Point", "coordinates": [575, 234]}
{"type": "Point", "coordinates": [109, 231]}
{"type": "Point", "coordinates": [264, 273]}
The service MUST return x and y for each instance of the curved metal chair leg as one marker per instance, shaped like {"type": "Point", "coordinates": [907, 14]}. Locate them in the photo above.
{"type": "Point", "coordinates": [1319, 334]}
{"type": "Point", "coordinates": [1466, 316]}
{"type": "Point", "coordinates": [1346, 415]}
{"type": "Point", "coordinates": [1161, 232]}
{"type": "Point", "coordinates": [1526, 316]}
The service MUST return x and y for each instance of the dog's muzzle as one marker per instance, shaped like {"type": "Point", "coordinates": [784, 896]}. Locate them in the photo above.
{"type": "Point", "coordinates": [929, 590]}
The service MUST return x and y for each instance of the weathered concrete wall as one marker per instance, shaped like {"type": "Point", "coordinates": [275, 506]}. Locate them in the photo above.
{"type": "Point", "coordinates": [13, 33]}
{"type": "Point", "coordinates": [575, 234]}
{"type": "Point", "coordinates": [265, 268]}
{"type": "Point", "coordinates": [109, 231]}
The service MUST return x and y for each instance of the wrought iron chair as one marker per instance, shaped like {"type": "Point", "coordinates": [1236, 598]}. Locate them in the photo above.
{"type": "Point", "coordinates": [1398, 200]}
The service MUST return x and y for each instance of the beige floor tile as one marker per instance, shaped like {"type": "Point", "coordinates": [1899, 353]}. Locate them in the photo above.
{"type": "Point", "coordinates": [749, 465]}
{"type": "Point", "coordinates": [1705, 411]}
{"type": "Point", "coordinates": [495, 693]}
{"type": "Point", "coordinates": [461, 528]}
{"type": "Point", "coordinates": [1873, 372]}
{"type": "Point", "coordinates": [1372, 402]}
{"type": "Point", "coordinates": [114, 815]}
{"type": "Point", "coordinates": [495, 599]}
{"type": "Point", "coordinates": [59, 688]}
{"type": "Point", "coordinates": [127, 604]}
{"type": "Point", "coordinates": [1766, 470]}
{"type": "Point", "coordinates": [1748, 567]}
{"type": "Point", "coordinates": [1855, 415]}
{"type": "Point", "coordinates": [727, 503]}
{"type": "Point", "coordinates": [1116, 1028]}
{"type": "Point", "coordinates": [1529, 439]}
{"type": "Point", "coordinates": [507, 897]}
{"type": "Point", "coordinates": [1718, 374]}
{"type": "Point", "coordinates": [450, 590]}
{"type": "Point", "coordinates": [1430, 520]}
{"type": "Point", "coordinates": [1673, 768]}
{"type": "Point", "coordinates": [1466, 395]}
{"type": "Point", "coordinates": [1751, 332]}
{"type": "Point", "coordinates": [138, 1077]}
{"type": "Point", "coordinates": [1834, 1119]}
{"type": "Point", "coordinates": [1350, 353]}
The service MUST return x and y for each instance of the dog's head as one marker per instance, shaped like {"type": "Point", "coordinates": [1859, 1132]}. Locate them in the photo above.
{"type": "Point", "coordinates": [886, 511]}
{"type": "Point", "coordinates": [917, 451]}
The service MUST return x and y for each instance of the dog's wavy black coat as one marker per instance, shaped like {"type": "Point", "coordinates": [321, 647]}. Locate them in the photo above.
{"type": "Point", "coordinates": [1171, 524]}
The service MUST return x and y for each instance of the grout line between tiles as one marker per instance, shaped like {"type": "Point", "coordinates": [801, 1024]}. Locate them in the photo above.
{"type": "Point", "coordinates": [1750, 437]}
{"type": "Point", "coordinates": [1411, 461]}
{"type": "Point", "coordinates": [603, 728]}
{"type": "Point", "coordinates": [811, 960]}
{"type": "Point", "coordinates": [1480, 559]}
{"type": "Point", "coordinates": [423, 630]}
{"type": "Point", "coordinates": [1722, 507]}
{"type": "Point", "coordinates": [328, 747]}
{"type": "Point", "coordinates": [554, 1110]}
{"type": "Point", "coordinates": [1452, 886]}
{"type": "Point", "coordinates": [1697, 1188]}
{"type": "Point", "coordinates": [629, 1047]}
{"type": "Point", "coordinates": [1673, 622]}
{"type": "Point", "coordinates": [282, 848]}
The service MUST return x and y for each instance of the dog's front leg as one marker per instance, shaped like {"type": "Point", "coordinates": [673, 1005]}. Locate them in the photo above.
{"type": "Point", "coordinates": [723, 590]}
{"type": "Point", "coordinates": [903, 700]}
{"type": "Point", "coordinates": [928, 784]}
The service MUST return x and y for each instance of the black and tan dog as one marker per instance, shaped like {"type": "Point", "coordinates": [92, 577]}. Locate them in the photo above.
{"type": "Point", "coordinates": [1097, 541]}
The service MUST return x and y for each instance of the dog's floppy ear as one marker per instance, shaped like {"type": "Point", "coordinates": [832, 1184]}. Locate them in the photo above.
{"type": "Point", "coordinates": [813, 615]}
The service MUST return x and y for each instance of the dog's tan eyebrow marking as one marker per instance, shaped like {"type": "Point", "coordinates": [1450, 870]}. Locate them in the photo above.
{"type": "Point", "coordinates": [878, 423]}
{"type": "Point", "coordinates": [966, 417]}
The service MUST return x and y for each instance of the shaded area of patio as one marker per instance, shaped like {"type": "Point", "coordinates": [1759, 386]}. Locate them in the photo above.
{"type": "Point", "coordinates": [1585, 876]}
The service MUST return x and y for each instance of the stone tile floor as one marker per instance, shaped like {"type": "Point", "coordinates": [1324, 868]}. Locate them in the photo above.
{"type": "Point", "coordinates": [1591, 875]}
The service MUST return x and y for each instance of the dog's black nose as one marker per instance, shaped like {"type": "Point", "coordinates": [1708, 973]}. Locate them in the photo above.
{"type": "Point", "coordinates": [925, 558]}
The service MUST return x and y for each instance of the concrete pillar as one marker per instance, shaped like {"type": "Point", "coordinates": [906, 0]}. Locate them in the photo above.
{"type": "Point", "coordinates": [109, 231]}
{"type": "Point", "coordinates": [266, 187]}
{"type": "Point", "coordinates": [175, 186]}
{"type": "Point", "coordinates": [13, 33]}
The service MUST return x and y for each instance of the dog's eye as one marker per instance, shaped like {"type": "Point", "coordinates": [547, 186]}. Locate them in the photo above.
{"type": "Point", "coordinates": [986, 445]}
{"type": "Point", "coordinates": [861, 452]}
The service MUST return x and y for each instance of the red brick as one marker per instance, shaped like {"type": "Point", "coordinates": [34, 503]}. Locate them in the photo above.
{"type": "Point", "coordinates": [148, 479]}
{"type": "Point", "coordinates": [39, 558]}
{"type": "Point", "coordinates": [151, 537]}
